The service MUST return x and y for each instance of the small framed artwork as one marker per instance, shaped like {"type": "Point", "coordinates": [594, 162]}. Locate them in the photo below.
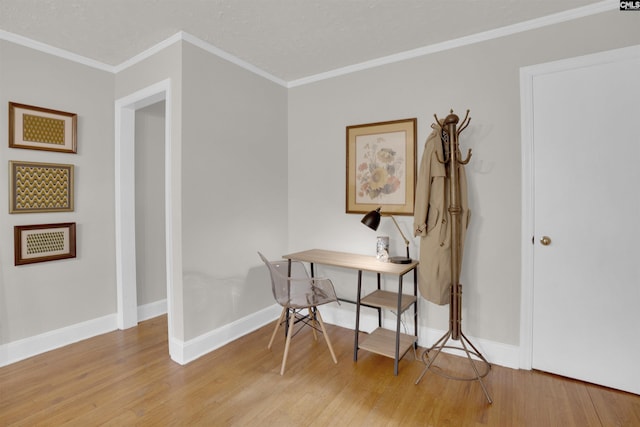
{"type": "Point", "coordinates": [44, 242]}
{"type": "Point", "coordinates": [381, 167]}
{"type": "Point", "coordinates": [38, 128]}
{"type": "Point", "coordinates": [40, 187]}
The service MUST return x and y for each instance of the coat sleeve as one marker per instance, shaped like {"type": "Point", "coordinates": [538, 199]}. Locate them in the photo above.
{"type": "Point", "coordinates": [423, 187]}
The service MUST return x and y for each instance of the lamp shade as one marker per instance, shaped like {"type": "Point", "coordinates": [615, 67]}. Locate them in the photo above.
{"type": "Point", "coordinates": [372, 219]}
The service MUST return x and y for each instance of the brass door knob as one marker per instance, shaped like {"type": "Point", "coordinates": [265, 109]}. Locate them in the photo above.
{"type": "Point", "coordinates": [546, 240]}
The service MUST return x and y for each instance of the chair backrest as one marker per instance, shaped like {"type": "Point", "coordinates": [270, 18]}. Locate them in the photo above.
{"type": "Point", "coordinates": [280, 283]}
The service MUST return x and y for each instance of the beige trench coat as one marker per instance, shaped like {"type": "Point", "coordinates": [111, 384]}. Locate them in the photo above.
{"type": "Point", "coordinates": [431, 221]}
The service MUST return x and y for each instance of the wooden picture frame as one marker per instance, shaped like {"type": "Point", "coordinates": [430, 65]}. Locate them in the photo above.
{"type": "Point", "coordinates": [381, 167]}
{"type": "Point", "coordinates": [40, 187]}
{"type": "Point", "coordinates": [38, 128]}
{"type": "Point", "coordinates": [44, 242]}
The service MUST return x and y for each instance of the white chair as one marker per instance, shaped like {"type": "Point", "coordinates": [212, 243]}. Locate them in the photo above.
{"type": "Point", "coordinates": [296, 291]}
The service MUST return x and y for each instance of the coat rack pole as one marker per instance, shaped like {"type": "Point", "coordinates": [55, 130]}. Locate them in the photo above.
{"type": "Point", "coordinates": [454, 210]}
{"type": "Point", "coordinates": [453, 162]}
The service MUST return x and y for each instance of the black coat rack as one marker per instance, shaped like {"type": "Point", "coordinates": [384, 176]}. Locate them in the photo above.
{"type": "Point", "coordinates": [451, 150]}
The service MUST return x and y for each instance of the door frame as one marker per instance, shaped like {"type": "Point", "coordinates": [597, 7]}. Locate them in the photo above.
{"type": "Point", "coordinates": [527, 75]}
{"type": "Point", "coordinates": [125, 109]}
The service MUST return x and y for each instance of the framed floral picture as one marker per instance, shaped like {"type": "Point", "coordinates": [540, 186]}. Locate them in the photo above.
{"type": "Point", "coordinates": [381, 167]}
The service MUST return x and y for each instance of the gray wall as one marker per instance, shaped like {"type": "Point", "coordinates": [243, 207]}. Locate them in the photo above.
{"type": "Point", "coordinates": [37, 298]}
{"type": "Point", "coordinates": [151, 268]}
{"type": "Point", "coordinates": [483, 77]}
{"type": "Point", "coordinates": [234, 188]}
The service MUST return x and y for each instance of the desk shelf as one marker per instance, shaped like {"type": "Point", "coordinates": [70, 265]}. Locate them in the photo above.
{"type": "Point", "coordinates": [387, 342]}
{"type": "Point", "coordinates": [388, 300]}
{"type": "Point", "coordinates": [383, 342]}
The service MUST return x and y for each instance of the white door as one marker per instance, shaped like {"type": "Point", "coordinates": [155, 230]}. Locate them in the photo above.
{"type": "Point", "coordinates": [586, 278]}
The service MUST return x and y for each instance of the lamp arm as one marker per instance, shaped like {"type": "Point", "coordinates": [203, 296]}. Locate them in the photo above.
{"type": "Point", "coordinates": [406, 242]}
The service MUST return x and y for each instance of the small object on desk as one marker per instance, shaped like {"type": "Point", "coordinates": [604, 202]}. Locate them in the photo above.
{"type": "Point", "coordinates": [382, 248]}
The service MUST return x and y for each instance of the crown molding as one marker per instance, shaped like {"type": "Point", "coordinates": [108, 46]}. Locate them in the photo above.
{"type": "Point", "coordinates": [148, 52]}
{"type": "Point", "coordinates": [595, 8]}
{"type": "Point", "coordinates": [43, 47]}
{"type": "Point", "coordinates": [189, 38]}
{"type": "Point", "coordinates": [592, 9]}
{"type": "Point", "coordinates": [231, 58]}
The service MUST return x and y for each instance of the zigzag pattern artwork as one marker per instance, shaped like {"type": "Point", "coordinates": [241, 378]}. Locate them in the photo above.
{"type": "Point", "coordinates": [42, 187]}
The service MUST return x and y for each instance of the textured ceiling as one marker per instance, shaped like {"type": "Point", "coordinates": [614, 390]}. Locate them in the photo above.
{"type": "Point", "coordinates": [289, 39]}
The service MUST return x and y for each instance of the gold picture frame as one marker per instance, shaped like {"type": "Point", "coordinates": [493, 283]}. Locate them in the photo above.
{"type": "Point", "coordinates": [381, 167]}
{"type": "Point", "coordinates": [38, 128]}
{"type": "Point", "coordinates": [40, 187]}
{"type": "Point", "coordinates": [44, 242]}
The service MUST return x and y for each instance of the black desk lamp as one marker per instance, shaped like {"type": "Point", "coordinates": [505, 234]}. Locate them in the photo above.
{"type": "Point", "coordinates": [372, 220]}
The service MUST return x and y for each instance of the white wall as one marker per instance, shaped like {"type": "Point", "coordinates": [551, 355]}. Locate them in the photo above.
{"type": "Point", "coordinates": [43, 297]}
{"type": "Point", "coordinates": [234, 188]}
{"type": "Point", "coordinates": [483, 77]}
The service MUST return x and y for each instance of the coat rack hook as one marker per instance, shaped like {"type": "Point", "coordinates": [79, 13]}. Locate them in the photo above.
{"type": "Point", "coordinates": [465, 161]}
{"type": "Point", "coordinates": [464, 123]}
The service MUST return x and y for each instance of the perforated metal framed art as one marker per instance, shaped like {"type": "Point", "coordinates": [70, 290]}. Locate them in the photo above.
{"type": "Point", "coordinates": [38, 128]}
{"type": "Point", "coordinates": [40, 187]}
{"type": "Point", "coordinates": [44, 242]}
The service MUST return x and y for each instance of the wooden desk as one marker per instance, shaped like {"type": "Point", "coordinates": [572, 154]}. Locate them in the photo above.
{"type": "Point", "coordinates": [381, 341]}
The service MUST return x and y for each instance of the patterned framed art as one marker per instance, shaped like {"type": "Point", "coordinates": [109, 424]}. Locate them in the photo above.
{"type": "Point", "coordinates": [40, 187]}
{"type": "Point", "coordinates": [44, 242]}
{"type": "Point", "coordinates": [38, 128]}
{"type": "Point", "coordinates": [381, 167]}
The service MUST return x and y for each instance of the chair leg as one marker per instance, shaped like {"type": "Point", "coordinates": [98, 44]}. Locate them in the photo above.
{"type": "Point", "coordinates": [278, 322]}
{"type": "Point", "coordinates": [314, 324]}
{"type": "Point", "coordinates": [286, 346]}
{"type": "Point", "coordinates": [326, 336]}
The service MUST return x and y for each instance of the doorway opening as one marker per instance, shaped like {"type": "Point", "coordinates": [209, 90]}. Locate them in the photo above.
{"type": "Point", "coordinates": [125, 112]}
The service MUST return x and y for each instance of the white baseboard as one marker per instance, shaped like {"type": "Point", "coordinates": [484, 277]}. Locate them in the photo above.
{"type": "Point", "coordinates": [16, 351]}
{"type": "Point", "coordinates": [185, 352]}
{"type": "Point", "coordinates": [151, 310]}
{"type": "Point", "coordinates": [22, 349]}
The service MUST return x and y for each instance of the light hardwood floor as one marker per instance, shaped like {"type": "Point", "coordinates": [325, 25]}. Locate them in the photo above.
{"type": "Point", "coordinates": [126, 378]}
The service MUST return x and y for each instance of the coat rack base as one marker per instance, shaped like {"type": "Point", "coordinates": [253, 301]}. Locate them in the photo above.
{"type": "Point", "coordinates": [480, 365]}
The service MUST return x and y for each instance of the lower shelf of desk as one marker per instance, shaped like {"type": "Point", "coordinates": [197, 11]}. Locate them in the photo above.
{"type": "Point", "coordinates": [383, 342]}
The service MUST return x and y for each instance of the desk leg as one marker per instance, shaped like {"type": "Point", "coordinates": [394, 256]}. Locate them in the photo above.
{"type": "Point", "coordinates": [379, 309]}
{"type": "Point", "coordinates": [355, 344]}
{"type": "Point", "coordinates": [415, 307]}
{"type": "Point", "coordinates": [395, 364]}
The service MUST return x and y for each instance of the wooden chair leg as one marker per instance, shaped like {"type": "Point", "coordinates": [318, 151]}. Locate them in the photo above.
{"type": "Point", "coordinates": [286, 346]}
{"type": "Point", "coordinates": [278, 322]}
{"type": "Point", "coordinates": [326, 336]}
